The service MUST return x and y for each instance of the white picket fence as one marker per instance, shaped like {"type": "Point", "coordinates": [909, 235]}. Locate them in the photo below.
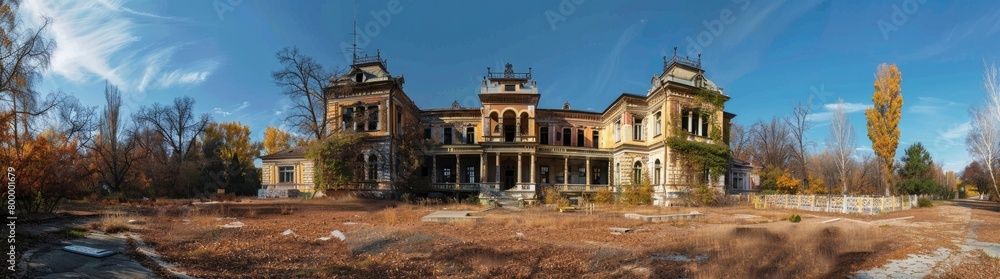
{"type": "Point", "coordinates": [840, 203]}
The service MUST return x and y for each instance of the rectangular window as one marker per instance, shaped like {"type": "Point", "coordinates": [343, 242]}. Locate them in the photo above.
{"type": "Point", "coordinates": [637, 131]}
{"type": "Point", "coordinates": [685, 121]}
{"type": "Point", "coordinates": [427, 133]}
{"type": "Point", "coordinates": [567, 140]}
{"type": "Point", "coordinates": [579, 138]}
{"type": "Point", "coordinates": [544, 135]}
{"type": "Point", "coordinates": [373, 116]}
{"type": "Point", "coordinates": [595, 140]}
{"type": "Point", "coordinates": [399, 123]}
{"type": "Point", "coordinates": [348, 119]}
{"type": "Point", "coordinates": [618, 130]}
{"type": "Point", "coordinates": [470, 174]}
{"type": "Point", "coordinates": [659, 124]}
{"type": "Point", "coordinates": [359, 116]}
{"type": "Point", "coordinates": [446, 175]}
{"type": "Point", "coordinates": [509, 87]}
{"type": "Point", "coordinates": [447, 135]}
{"type": "Point", "coordinates": [583, 172]}
{"type": "Point", "coordinates": [470, 135]}
{"type": "Point", "coordinates": [286, 174]}
{"type": "Point", "coordinates": [544, 173]}
{"type": "Point", "coordinates": [595, 176]}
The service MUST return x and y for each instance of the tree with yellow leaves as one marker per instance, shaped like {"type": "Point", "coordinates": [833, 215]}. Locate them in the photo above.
{"type": "Point", "coordinates": [883, 118]}
{"type": "Point", "coordinates": [276, 140]}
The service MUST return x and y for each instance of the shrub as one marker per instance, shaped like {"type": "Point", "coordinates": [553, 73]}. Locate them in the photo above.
{"type": "Point", "coordinates": [924, 202]}
{"type": "Point", "coordinates": [604, 196]}
{"type": "Point", "coordinates": [704, 195]}
{"type": "Point", "coordinates": [795, 218]}
{"type": "Point", "coordinates": [550, 195]}
{"type": "Point", "coordinates": [473, 200]}
{"type": "Point", "coordinates": [633, 194]}
{"type": "Point", "coordinates": [816, 186]}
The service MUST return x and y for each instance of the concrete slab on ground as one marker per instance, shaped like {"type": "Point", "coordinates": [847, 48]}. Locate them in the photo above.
{"type": "Point", "coordinates": [448, 216]}
{"type": "Point", "coordinates": [53, 262]}
{"type": "Point", "coordinates": [661, 218]}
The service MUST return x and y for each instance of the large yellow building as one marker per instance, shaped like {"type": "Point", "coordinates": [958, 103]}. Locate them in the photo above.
{"type": "Point", "coordinates": [508, 146]}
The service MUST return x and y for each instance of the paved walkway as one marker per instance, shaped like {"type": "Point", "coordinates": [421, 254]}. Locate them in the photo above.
{"type": "Point", "coordinates": [923, 265]}
{"type": "Point", "coordinates": [51, 261]}
{"type": "Point", "coordinates": [48, 260]}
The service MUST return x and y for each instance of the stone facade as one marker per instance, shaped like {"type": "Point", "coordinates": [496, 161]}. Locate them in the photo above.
{"type": "Point", "coordinates": [510, 146]}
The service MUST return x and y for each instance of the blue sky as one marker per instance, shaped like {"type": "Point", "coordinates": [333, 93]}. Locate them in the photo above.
{"type": "Point", "coordinates": [767, 55]}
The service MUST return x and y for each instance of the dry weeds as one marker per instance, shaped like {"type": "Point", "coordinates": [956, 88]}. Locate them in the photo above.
{"type": "Point", "coordinates": [387, 239]}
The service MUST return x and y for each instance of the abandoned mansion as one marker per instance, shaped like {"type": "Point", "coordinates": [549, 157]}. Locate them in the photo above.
{"type": "Point", "coordinates": [509, 145]}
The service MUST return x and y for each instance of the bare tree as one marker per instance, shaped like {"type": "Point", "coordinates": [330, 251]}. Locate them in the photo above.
{"type": "Point", "coordinates": [179, 128]}
{"type": "Point", "coordinates": [740, 142]}
{"type": "Point", "coordinates": [72, 119]}
{"type": "Point", "coordinates": [841, 142]}
{"type": "Point", "coordinates": [772, 145]}
{"type": "Point", "coordinates": [113, 148]}
{"type": "Point", "coordinates": [984, 140]}
{"type": "Point", "coordinates": [304, 81]}
{"type": "Point", "coordinates": [177, 124]}
{"type": "Point", "coordinates": [799, 124]}
{"type": "Point", "coordinates": [24, 54]}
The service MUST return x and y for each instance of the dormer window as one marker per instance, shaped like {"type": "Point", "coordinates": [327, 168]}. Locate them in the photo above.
{"type": "Point", "coordinates": [509, 87]}
{"type": "Point", "coordinates": [359, 77]}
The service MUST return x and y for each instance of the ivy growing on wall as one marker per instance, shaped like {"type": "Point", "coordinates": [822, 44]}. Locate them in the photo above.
{"type": "Point", "coordinates": [700, 157]}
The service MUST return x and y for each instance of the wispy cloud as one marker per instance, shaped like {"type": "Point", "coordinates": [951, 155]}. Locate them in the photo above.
{"type": "Point", "coordinates": [242, 106]}
{"type": "Point", "coordinates": [828, 110]}
{"type": "Point", "coordinates": [954, 135]}
{"type": "Point", "coordinates": [931, 105]}
{"type": "Point", "coordinates": [221, 112]}
{"type": "Point", "coordinates": [101, 40]}
{"type": "Point", "coordinates": [235, 109]}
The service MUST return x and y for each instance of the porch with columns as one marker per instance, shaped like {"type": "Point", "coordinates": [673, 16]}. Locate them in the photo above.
{"type": "Point", "coordinates": [519, 174]}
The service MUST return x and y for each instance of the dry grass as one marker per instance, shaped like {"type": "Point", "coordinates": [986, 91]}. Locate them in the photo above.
{"type": "Point", "coordinates": [387, 240]}
{"type": "Point", "coordinates": [114, 222]}
{"type": "Point", "coordinates": [779, 252]}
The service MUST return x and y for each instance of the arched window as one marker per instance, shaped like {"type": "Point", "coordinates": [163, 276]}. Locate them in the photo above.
{"type": "Point", "coordinates": [359, 172]}
{"type": "Point", "coordinates": [372, 167]}
{"type": "Point", "coordinates": [637, 173]}
{"type": "Point", "coordinates": [657, 172]}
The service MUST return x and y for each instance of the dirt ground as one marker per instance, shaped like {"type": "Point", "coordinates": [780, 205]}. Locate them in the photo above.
{"type": "Point", "coordinates": [282, 239]}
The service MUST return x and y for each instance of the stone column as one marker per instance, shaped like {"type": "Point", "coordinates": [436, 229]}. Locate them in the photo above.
{"type": "Point", "coordinates": [611, 171]}
{"type": "Point", "coordinates": [458, 169]}
{"type": "Point", "coordinates": [517, 127]}
{"type": "Point", "coordinates": [434, 168]}
{"type": "Point", "coordinates": [565, 169]}
{"type": "Point", "coordinates": [699, 124]}
{"type": "Point", "coordinates": [532, 168]}
{"type": "Point", "coordinates": [588, 171]}
{"type": "Point", "coordinates": [482, 168]}
{"type": "Point", "coordinates": [690, 121]}
{"type": "Point", "coordinates": [497, 179]}
{"type": "Point", "coordinates": [518, 168]}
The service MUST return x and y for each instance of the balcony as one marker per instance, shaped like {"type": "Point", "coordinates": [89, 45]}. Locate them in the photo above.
{"type": "Point", "coordinates": [501, 138]}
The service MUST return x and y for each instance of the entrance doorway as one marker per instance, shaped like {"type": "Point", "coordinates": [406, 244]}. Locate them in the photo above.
{"type": "Point", "coordinates": [508, 179]}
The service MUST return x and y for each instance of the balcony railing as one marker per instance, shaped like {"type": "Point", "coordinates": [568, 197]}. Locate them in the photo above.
{"type": "Point", "coordinates": [370, 59]}
{"type": "Point", "coordinates": [510, 75]}
{"type": "Point", "coordinates": [501, 138]}
{"type": "Point", "coordinates": [681, 60]}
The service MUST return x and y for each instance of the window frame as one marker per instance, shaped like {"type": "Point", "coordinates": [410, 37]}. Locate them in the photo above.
{"type": "Point", "coordinates": [286, 170]}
